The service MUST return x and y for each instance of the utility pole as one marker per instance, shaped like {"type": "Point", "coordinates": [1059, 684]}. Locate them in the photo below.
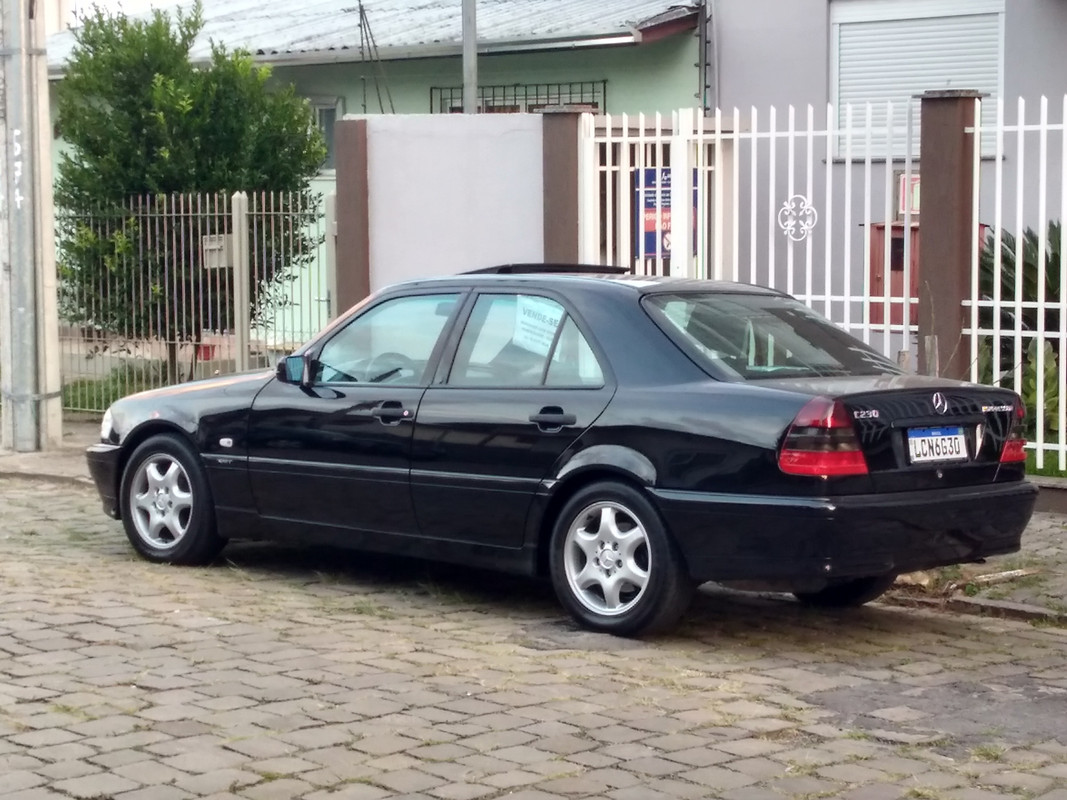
{"type": "Point", "coordinates": [49, 376]}
{"type": "Point", "coordinates": [470, 57]}
{"type": "Point", "coordinates": [29, 384]}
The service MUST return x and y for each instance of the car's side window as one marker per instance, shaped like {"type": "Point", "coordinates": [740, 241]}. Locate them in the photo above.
{"type": "Point", "coordinates": [390, 343]}
{"type": "Point", "coordinates": [514, 340]}
{"type": "Point", "coordinates": [573, 362]}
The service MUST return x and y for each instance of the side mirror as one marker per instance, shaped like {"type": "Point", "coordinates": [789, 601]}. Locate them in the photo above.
{"type": "Point", "coordinates": [295, 369]}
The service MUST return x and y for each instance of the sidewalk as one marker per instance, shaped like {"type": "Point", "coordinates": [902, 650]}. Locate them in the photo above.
{"type": "Point", "coordinates": [1030, 584]}
{"type": "Point", "coordinates": [64, 465]}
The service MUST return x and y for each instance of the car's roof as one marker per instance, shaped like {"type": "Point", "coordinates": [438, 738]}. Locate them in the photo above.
{"type": "Point", "coordinates": [588, 277]}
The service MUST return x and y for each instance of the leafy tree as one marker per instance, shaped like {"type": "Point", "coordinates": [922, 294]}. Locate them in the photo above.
{"type": "Point", "coordinates": [143, 125]}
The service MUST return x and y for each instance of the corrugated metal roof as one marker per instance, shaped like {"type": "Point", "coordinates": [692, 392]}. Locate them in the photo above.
{"type": "Point", "coordinates": [328, 30]}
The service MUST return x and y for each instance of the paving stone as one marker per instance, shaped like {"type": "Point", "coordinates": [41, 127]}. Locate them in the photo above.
{"type": "Point", "coordinates": [281, 789]}
{"type": "Point", "coordinates": [973, 794]}
{"type": "Point", "coordinates": [717, 778]}
{"type": "Point", "coordinates": [65, 770]}
{"type": "Point", "coordinates": [154, 793]}
{"type": "Point", "coordinates": [95, 786]}
{"type": "Point", "coordinates": [149, 773]}
{"type": "Point", "coordinates": [408, 780]}
{"type": "Point", "coordinates": [216, 781]}
{"type": "Point", "coordinates": [852, 773]}
{"type": "Point", "coordinates": [279, 766]}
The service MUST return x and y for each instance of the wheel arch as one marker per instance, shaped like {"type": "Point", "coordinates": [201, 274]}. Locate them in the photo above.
{"type": "Point", "coordinates": [589, 466]}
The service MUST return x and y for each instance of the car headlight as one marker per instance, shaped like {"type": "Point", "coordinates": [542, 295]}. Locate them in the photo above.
{"type": "Point", "coordinates": [106, 426]}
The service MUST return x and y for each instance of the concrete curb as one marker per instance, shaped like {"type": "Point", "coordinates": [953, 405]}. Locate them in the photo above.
{"type": "Point", "coordinates": [44, 477]}
{"type": "Point", "coordinates": [979, 607]}
{"type": "Point", "coordinates": [1053, 494]}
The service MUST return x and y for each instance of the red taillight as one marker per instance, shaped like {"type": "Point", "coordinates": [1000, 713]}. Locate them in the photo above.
{"type": "Point", "coordinates": [821, 441]}
{"type": "Point", "coordinates": [1015, 445]}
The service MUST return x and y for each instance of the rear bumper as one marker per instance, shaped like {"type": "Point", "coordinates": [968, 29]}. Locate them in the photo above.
{"type": "Point", "coordinates": [735, 537]}
{"type": "Point", "coordinates": [103, 468]}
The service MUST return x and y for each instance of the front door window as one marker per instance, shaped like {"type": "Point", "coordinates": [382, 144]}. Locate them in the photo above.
{"type": "Point", "coordinates": [391, 343]}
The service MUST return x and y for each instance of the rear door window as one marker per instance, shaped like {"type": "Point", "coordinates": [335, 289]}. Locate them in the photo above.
{"type": "Point", "coordinates": [519, 340]}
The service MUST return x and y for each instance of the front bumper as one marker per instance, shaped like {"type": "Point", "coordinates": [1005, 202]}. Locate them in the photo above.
{"type": "Point", "coordinates": [748, 537]}
{"type": "Point", "coordinates": [103, 468]}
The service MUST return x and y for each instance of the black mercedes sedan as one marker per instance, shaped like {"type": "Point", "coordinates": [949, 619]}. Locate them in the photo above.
{"type": "Point", "coordinates": [628, 437]}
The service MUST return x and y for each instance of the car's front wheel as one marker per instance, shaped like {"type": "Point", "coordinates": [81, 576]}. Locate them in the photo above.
{"type": "Point", "coordinates": [614, 566]}
{"type": "Point", "coordinates": [167, 509]}
{"type": "Point", "coordinates": [848, 593]}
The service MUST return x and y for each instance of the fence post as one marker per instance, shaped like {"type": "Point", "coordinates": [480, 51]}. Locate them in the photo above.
{"type": "Point", "coordinates": [681, 154]}
{"type": "Point", "coordinates": [351, 140]}
{"type": "Point", "coordinates": [564, 178]}
{"type": "Point", "coordinates": [946, 234]}
{"type": "Point", "coordinates": [588, 193]}
{"type": "Point", "coordinates": [241, 276]}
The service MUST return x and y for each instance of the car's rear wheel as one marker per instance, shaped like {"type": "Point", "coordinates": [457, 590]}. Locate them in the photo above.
{"type": "Point", "coordinates": [848, 593]}
{"type": "Point", "coordinates": [167, 508]}
{"type": "Point", "coordinates": [614, 566]}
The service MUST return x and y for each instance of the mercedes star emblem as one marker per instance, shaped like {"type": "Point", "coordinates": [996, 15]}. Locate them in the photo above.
{"type": "Point", "coordinates": [940, 403]}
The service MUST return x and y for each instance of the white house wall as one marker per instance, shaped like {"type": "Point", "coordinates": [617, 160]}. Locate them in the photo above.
{"type": "Point", "coordinates": [453, 192]}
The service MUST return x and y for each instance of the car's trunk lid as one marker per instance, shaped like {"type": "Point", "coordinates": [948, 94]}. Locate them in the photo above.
{"type": "Point", "coordinates": [919, 432]}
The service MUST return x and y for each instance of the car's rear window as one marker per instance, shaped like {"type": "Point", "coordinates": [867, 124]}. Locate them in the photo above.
{"type": "Point", "coordinates": [754, 336]}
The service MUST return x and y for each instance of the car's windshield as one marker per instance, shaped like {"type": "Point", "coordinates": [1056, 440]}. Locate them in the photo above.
{"type": "Point", "coordinates": [756, 336]}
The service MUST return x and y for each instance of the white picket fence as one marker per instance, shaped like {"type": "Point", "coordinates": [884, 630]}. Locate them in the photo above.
{"type": "Point", "coordinates": [823, 204]}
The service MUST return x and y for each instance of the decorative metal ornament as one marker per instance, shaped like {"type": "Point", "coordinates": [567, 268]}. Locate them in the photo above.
{"type": "Point", "coordinates": [797, 218]}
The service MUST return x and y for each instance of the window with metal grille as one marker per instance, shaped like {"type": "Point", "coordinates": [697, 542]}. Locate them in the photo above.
{"type": "Point", "coordinates": [517, 97]}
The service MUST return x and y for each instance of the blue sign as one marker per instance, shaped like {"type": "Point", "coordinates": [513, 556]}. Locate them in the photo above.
{"type": "Point", "coordinates": [652, 212]}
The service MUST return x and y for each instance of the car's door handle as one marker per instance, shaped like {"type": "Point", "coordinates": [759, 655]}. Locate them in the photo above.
{"type": "Point", "coordinates": [552, 418]}
{"type": "Point", "coordinates": [391, 412]}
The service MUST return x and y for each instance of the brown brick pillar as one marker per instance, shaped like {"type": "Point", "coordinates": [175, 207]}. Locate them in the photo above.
{"type": "Point", "coordinates": [353, 213]}
{"type": "Point", "coordinates": [946, 229]}
{"type": "Point", "coordinates": [560, 177]}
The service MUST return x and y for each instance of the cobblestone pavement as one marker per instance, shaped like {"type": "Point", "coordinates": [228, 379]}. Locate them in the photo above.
{"type": "Point", "coordinates": [282, 673]}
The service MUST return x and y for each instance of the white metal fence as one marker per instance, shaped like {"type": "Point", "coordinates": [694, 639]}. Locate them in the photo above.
{"type": "Point", "coordinates": [1018, 319]}
{"type": "Point", "coordinates": [807, 202]}
{"type": "Point", "coordinates": [171, 288]}
{"type": "Point", "coordinates": [776, 199]}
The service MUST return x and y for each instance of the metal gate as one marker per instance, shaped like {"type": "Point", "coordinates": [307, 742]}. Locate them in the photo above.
{"type": "Point", "coordinates": [171, 288]}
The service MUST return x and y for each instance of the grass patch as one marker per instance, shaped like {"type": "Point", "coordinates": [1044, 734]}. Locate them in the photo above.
{"type": "Point", "coordinates": [96, 394]}
{"type": "Point", "coordinates": [1051, 468]}
{"type": "Point", "coordinates": [923, 793]}
{"type": "Point", "coordinates": [988, 752]}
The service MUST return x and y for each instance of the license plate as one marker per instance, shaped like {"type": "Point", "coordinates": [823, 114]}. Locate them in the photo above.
{"type": "Point", "coordinates": [927, 445]}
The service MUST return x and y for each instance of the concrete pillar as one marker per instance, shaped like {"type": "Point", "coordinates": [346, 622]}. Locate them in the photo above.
{"type": "Point", "coordinates": [353, 212]}
{"type": "Point", "coordinates": [560, 177]}
{"type": "Point", "coordinates": [946, 232]}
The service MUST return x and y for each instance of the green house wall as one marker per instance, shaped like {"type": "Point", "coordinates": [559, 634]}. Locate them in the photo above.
{"type": "Point", "coordinates": [660, 76]}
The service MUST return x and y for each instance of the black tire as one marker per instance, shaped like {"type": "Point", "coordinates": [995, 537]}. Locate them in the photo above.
{"type": "Point", "coordinates": [848, 593]}
{"type": "Point", "coordinates": [167, 508]}
{"type": "Point", "coordinates": [627, 593]}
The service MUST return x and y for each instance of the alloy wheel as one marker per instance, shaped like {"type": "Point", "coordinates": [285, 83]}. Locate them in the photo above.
{"type": "Point", "coordinates": [161, 501]}
{"type": "Point", "coordinates": [607, 558]}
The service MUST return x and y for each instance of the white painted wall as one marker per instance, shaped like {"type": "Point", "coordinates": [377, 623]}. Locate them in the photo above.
{"type": "Point", "coordinates": [450, 193]}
